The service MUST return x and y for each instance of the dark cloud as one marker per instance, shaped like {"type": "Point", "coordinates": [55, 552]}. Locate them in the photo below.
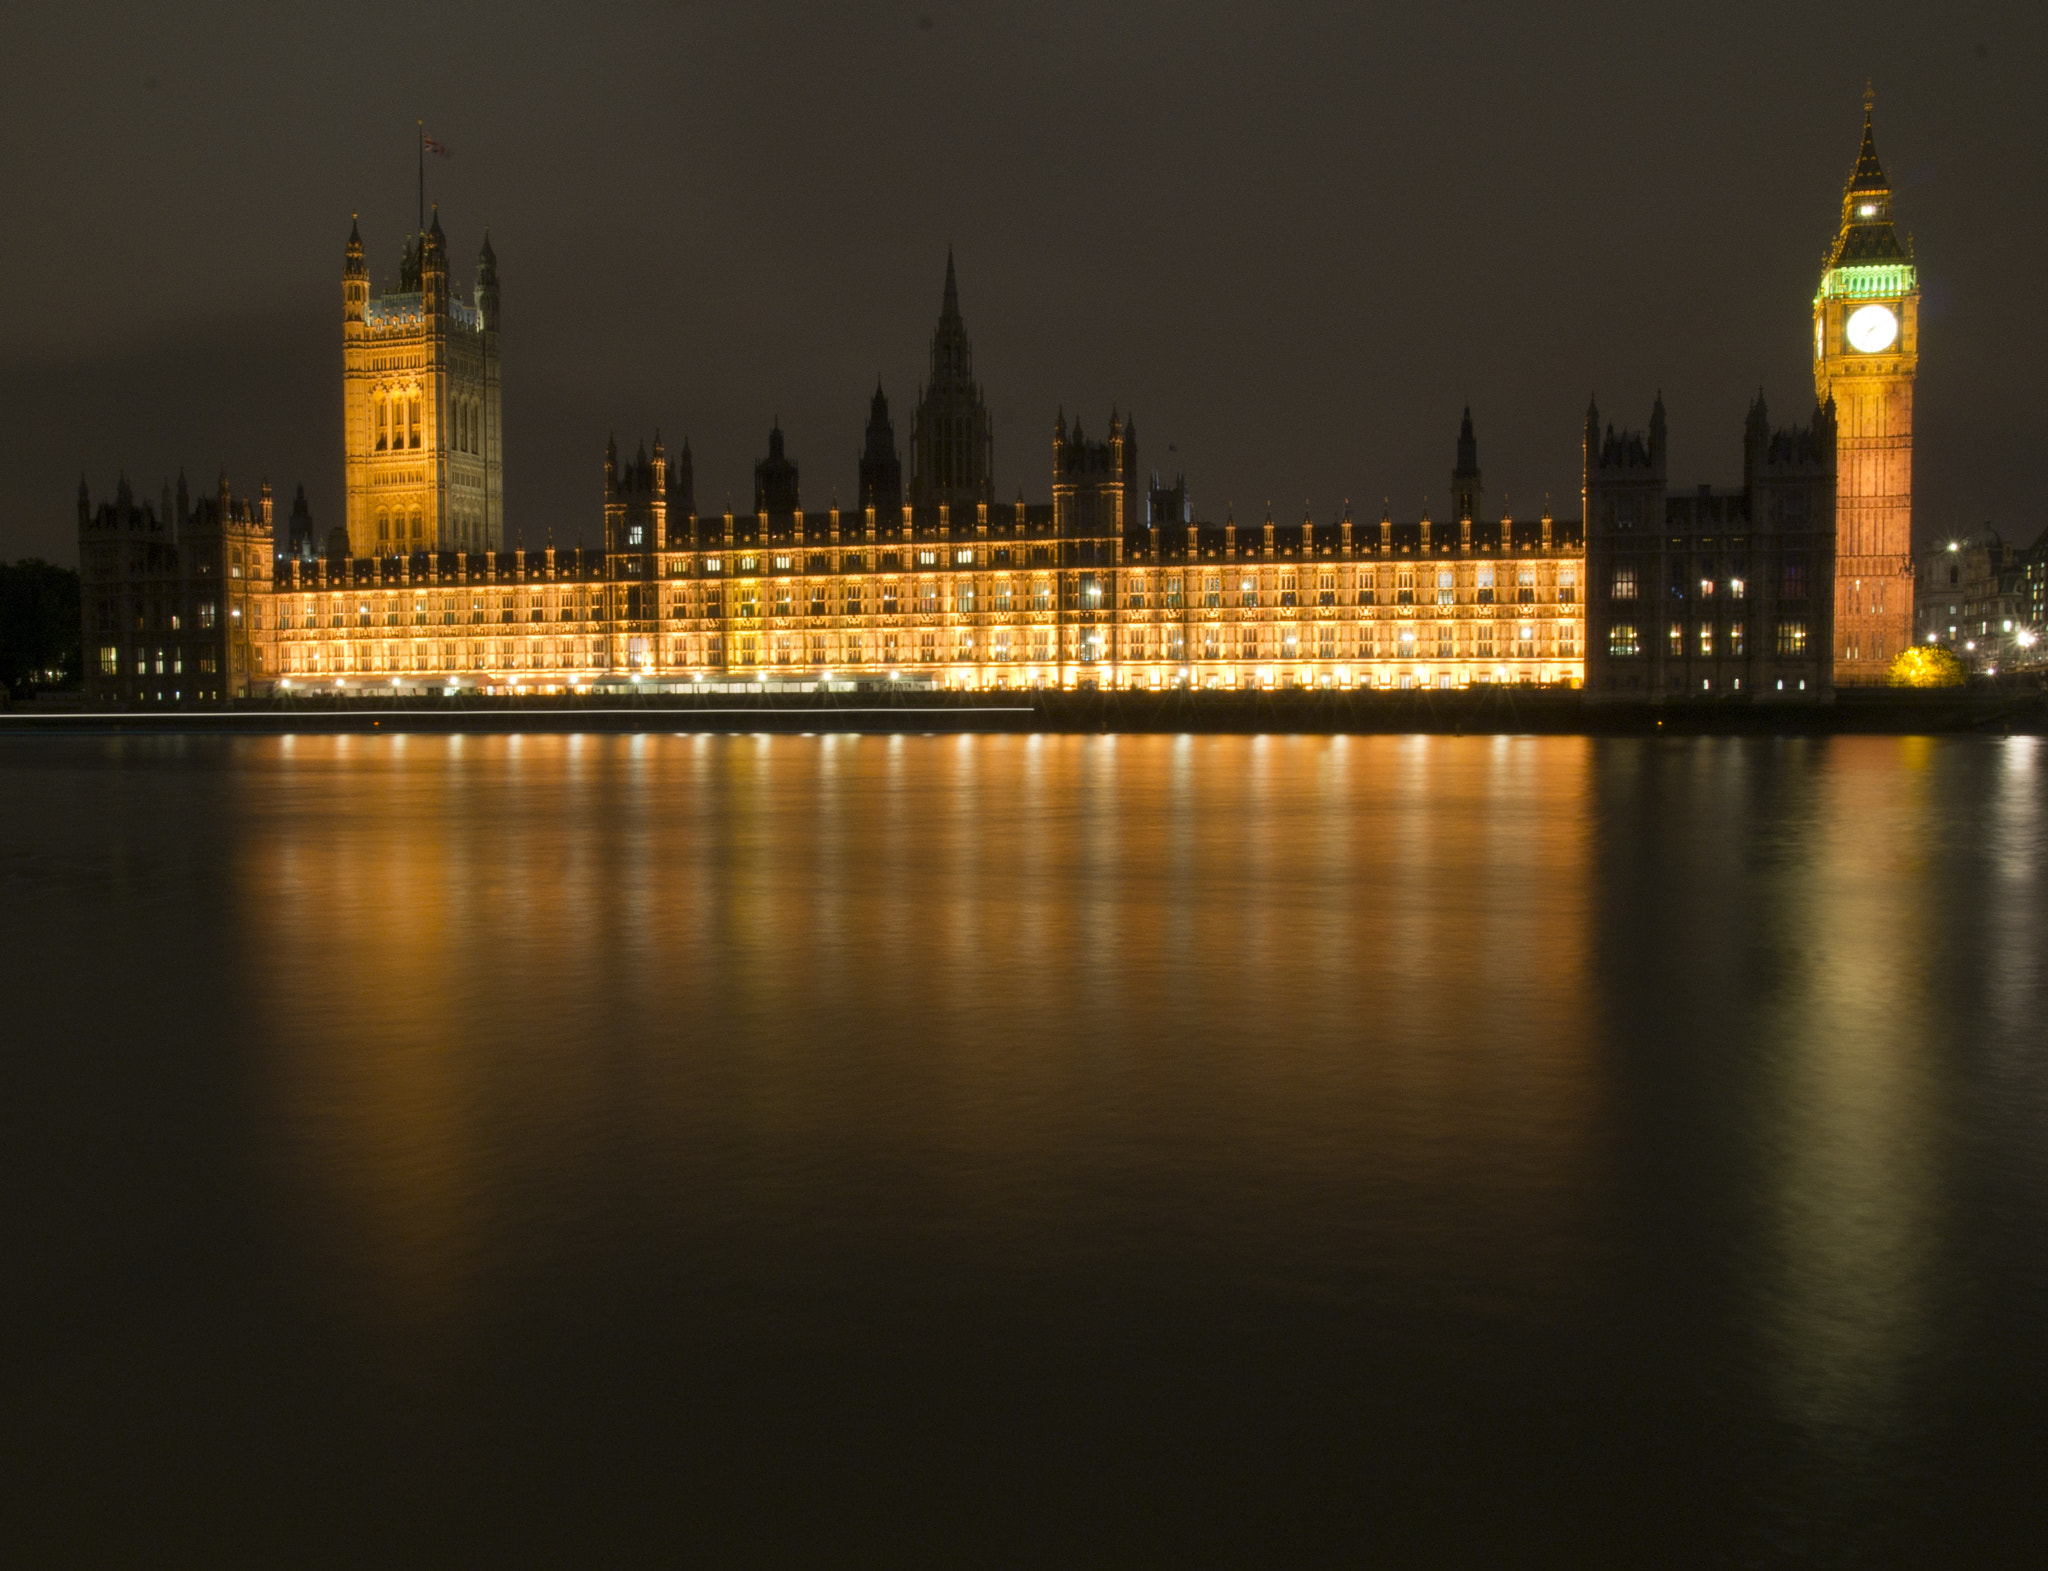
{"type": "Point", "coordinates": [1294, 241]}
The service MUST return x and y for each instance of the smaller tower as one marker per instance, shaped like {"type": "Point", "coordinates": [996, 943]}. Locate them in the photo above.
{"type": "Point", "coordinates": [1466, 491]}
{"type": "Point", "coordinates": [881, 470]}
{"type": "Point", "coordinates": [775, 478]}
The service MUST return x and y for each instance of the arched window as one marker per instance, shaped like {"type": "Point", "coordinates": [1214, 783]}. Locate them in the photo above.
{"type": "Point", "coordinates": [416, 526]}
{"type": "Point", "coordinates": [383, 527]}
{"type": "Point", "coordinates": [413, 421]}
{"type": "Point", "coordinates": [381, 412]}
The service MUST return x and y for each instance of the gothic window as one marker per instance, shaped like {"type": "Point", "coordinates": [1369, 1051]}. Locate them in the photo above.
{"type": "Point", "coordinates": [1326, 589]}
{"type": "Point", "coordinates": [889, 599]}
{"type": "Point", "coordinates": [1678, 638]}
{"type": "Point", "coordinates": [383, 527]}
{"type": "Point", "coordinates": [1444, 648]}
{"type": "Point", "coordinates": [1445, 593]}
{"type": "Point", "coordinates": [1404, 588]}
{"type": "Point", "coordinates": [1287, 597]}
{"type": "Point", "coordinates": [1735, 638]}
{"type": "Point", "coordinates": [1212, 592]}
{"type": "Point", "coordinates": [1248, 591]}
{"type": "Point", "coordinates": [1795, 580]}
{"type": "Point", "coordinates": [418, 526]}
{"type": "Point", "coordinates": [1792, 638]}
{"type": "Point", "coordinates": [1622, 640]}
{"type": "Point", "coordinates": [1567, 585]}
{"type": "Point", "coordinates": [412, 419]}
{"type": "Point", "coordinates": [1525, 586]}
{"type": "Point", "coordinates": [382, 406]}
{"type": "Point", "coordinates": [1736, 589]}
{"type": "Point", "coordinates": [1624, 583]}
{"type": "Point", "coordinates": [1706, 640]}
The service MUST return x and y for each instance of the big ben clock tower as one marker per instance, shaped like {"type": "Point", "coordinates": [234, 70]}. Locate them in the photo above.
{"type": "Point", "coordinates": [1866, 344]}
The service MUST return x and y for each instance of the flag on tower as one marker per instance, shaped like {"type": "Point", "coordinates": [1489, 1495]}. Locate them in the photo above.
{"type": "Point", "coordinates": [432, 146]}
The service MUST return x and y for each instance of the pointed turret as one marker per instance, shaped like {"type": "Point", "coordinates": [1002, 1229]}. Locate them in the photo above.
{"type": "Point", "coordinates": [1866, 235]}
{"type": "Point", "coordinates": [881, 470]}
{"type": "Point", "coordinates": [1466, 493]}
{"type": "Point", "coordinates": [487, 284]}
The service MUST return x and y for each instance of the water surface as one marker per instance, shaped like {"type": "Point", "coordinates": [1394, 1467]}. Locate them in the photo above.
{"type": "Point", "coordinates": [795, 1150]}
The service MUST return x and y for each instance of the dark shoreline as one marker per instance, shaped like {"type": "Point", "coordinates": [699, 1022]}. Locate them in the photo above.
{"type": "Point", "coordinates": [1494, 711]}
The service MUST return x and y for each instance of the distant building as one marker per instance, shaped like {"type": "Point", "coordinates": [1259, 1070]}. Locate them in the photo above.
{"type": "Point", "coordinates": [1983, 598]}
{"type": "Point", "coordinates": [175, 599]}
{"type": "Point", "coordinates": [1705, 594]}
{"type": "Point", "coordinates": [422, 444]}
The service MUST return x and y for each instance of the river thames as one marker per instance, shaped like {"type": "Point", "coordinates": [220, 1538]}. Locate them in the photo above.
{"type": "Point", "coordinates": [595, 1149]}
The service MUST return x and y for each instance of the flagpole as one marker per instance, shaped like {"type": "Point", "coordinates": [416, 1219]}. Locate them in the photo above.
{"type": "Point", "coordinates": [421, 149]}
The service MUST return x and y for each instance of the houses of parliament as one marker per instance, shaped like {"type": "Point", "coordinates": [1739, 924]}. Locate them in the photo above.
{"type": "Point", "coordinates": [1772, 590]}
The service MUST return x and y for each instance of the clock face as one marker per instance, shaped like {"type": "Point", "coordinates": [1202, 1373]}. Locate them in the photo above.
{"type": "Point", "coordinates": [1872, 329]}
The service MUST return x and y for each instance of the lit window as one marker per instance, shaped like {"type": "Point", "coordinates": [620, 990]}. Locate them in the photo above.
{"type": "Point", "coordinates": [1622, 639]}
{"type": "Point", "coordinates": [1624, 583]}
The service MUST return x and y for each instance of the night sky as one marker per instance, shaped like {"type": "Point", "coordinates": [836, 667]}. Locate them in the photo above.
{"type": "Point", "coordinates": [1294, 241]}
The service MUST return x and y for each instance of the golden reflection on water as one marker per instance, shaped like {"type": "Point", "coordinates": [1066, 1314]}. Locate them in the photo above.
{"type": "Point", "coordinates": [1297, 1001]}
{"type": "Point", "coordinates": [1854, 1105]}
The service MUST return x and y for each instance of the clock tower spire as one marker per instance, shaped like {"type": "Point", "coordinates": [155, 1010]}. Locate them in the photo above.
{"type": "Point", "coordinates": [1866, 347]}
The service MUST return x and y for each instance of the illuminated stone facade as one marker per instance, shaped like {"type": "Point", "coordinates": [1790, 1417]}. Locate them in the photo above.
{"type": "Point", "coordinates": [420, 405]}
{"type": "Point", "coordinates": [1112, 585]}
{"type": "Point", "coordinates": [1866, 347]}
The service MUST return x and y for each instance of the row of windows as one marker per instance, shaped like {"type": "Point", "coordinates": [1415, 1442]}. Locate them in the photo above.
{"type": "Point", "coordinates": [848, 598]}
{"type": "Point", "coordinates": [1705, 640]}
{"type": "Point", "coordinates": [1626, 585]}
{"type": "Point", "coordinates": [161, 661]}
{"type": "Point", "coordinates": [1443, 641]}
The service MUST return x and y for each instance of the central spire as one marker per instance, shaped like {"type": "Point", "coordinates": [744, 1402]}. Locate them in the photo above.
{"type": "Point", "coordinates": [951, 450]}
